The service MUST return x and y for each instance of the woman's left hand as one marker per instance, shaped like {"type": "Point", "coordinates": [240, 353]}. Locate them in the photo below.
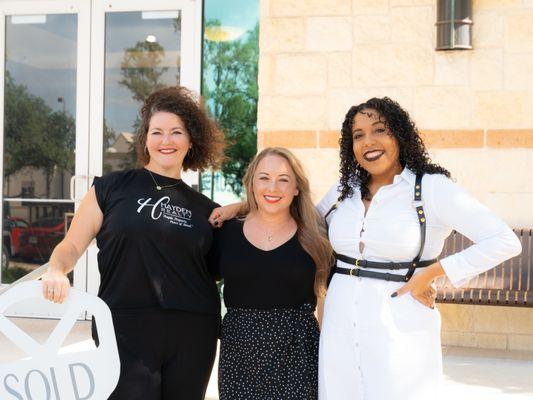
{"type": "Point", "coordinates": [221, 214]}
{"type": "Point", "coordinates": [420, 285]}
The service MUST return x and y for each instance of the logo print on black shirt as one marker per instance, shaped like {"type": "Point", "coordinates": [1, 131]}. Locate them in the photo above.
{"type": "Point", "coordinates": [162, 208]}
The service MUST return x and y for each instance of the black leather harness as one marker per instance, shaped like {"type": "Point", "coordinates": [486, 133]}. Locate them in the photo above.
{"type": "Point", "coordinates": [411, 266]}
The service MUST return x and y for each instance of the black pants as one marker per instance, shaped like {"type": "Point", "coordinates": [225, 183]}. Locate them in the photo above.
{"type": "Point", "coordinates": [164, 354]}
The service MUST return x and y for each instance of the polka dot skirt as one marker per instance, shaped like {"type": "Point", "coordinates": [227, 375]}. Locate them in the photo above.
{"type": "Point", "coordinates": [269, 354]}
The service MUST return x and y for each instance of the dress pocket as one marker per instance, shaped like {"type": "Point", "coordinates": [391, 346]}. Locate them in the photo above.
{"type": "Point", "coordinates": [412, 317]}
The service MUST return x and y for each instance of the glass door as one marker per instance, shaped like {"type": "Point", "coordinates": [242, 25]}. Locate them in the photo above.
{"type": "Point", "coordinates": [137, 47]}
{"type": "Point", "coordinates": [44, 126]}
{"type": "Point", "coordinates": [73, 77]}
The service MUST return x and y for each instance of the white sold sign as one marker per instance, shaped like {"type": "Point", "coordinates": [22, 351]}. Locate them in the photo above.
{"type": "Point", "coordinates": [48, 375]}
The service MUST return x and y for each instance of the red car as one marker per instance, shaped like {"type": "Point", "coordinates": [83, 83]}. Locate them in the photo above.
{"type": "Point", "coordinates": [40, 238]}
{"type": "Point", "coordinates": [15, 226]}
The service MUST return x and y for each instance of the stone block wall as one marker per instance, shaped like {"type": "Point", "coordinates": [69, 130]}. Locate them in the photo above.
{"type": "Point", "coordinates": [488, 327]}
{"type": "Point", "coordinates": [319, 57]}
{"type": "Point", "coordinates": [474, 107]}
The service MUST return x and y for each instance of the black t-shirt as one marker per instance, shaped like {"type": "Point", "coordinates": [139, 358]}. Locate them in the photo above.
{"type": "Point", "coordinates": [254, 278]}
{"type": "Point", "coordinates": [153, 244]}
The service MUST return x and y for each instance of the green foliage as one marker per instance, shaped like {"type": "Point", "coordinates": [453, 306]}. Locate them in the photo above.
{"type": "Point", "coordinates": [35, 135]}
{"type": "Point", "coordinates": [109, 135]}
{"type": "Point", "coordinates": [10, 275]}
{"type": "Point", "coordinates": [109, 138]}
{"type": "Point", "coordinates": [230, 91]}
{"type": "Point", "coordinates": [141, 74]}
{"type": "Point", "coordinates": [140, 69]}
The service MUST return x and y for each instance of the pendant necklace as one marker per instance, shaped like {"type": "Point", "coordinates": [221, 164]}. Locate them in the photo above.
{"type": "Point", "coordinates": [270, 236]}
{"type": "Point", "coordinates": [159, 187]}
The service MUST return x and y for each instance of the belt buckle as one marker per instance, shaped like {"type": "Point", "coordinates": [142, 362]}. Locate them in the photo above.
{"type": "Point", "coordinates": [357, 266]}
{"type": "Point", "coordinates": [418, 203]}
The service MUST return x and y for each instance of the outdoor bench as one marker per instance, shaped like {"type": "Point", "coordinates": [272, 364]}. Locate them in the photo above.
{"type": "Point", "coordinates": [508, 284]}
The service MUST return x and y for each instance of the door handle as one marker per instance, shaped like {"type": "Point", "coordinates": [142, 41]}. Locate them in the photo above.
{"type": "Point", "coordinates": [73, 180]}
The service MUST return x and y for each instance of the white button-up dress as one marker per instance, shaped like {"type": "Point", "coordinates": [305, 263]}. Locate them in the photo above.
{"type": "Point", "coordinates": [372, 346]}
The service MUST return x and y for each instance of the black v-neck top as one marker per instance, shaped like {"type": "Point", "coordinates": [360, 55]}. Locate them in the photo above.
{"type": "Point", "coordinates": [154, 243]}
{"type": "Point", "coordinates": [254, 278]}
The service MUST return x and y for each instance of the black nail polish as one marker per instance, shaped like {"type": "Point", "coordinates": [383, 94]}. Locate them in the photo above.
{"type": "Point", "coordinates": [394, 294]}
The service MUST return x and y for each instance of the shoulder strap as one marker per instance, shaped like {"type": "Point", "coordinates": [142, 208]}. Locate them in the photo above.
{"type": "Point", "coordinates": [418, 204]}
{"type": "Point", "coordinates": [332, 208]}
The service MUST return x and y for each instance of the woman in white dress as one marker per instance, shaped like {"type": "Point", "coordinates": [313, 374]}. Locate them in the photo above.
{"type": "Point", "coordinates": [388, 218]}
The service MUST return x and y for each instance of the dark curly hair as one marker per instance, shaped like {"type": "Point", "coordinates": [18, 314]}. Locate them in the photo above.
{"type": "Point", "coordinates": [413, 153]}
{"type": "Point", "coordinates": [208, 141]}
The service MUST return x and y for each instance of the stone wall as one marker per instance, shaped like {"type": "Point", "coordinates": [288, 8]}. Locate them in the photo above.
{"type": "Point", "coordinates": [475, 107]}
{"type": "Point", "coordinates": [319, 57]}
{"type": "Point", "coordinates": [488, 327]}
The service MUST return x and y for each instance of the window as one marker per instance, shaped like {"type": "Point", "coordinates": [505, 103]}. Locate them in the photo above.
{"type": "Point", "coordinates": [229, 87]}
{"type": "Point", "coordinates": [454, 24]}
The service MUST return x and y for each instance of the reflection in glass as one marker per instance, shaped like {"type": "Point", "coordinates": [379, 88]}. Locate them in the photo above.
{"type": "Point", "coordinates": [40, 104]}
{"type": "Point", "coordinates": [31, 230]}
{"type": "Point", "coordinates": [39, 138]}
{"type": "Point", "coordinates": [229, 77]}
{"type": "Point", "coordinates": [142, 54]}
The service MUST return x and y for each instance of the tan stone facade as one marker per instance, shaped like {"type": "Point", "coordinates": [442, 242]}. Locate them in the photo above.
{"type": "Point", "coordinates": [474, 107]}
{"type": "Point", "coordinates": [489, 327]}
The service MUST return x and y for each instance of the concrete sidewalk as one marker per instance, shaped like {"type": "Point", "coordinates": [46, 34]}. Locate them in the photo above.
{"type": "Point", "coordinates": [488, 375]}
{"type": "Point", "coordinates": [469, 373]}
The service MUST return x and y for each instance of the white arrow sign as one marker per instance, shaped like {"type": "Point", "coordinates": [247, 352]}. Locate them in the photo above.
{"type": "Point", "coordinates": [48, 375]}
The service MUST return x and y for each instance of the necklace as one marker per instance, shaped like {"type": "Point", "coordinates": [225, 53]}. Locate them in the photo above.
{"type": "Point", "coordinates": [159, 187]}
{"type": "Point", "coordinates": [271, 234]}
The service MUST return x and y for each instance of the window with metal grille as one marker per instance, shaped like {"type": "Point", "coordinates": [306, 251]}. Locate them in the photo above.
{"type": "Point", "coordinates": [454, 24]}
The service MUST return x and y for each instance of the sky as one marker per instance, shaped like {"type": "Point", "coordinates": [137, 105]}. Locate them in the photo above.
{"type": "Point", "coordinates": [239, 13]}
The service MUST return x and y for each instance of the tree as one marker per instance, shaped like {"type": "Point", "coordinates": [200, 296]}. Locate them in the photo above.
{"type": "Point", "coordinates": [230, 91]}
{"type": "Point", "coordinates": [141, 74]}
{"type": "Point", "coordinates": [35, 135]}
{"type": "Point", "coordinates": [109, 138]}
{"type": "Point", "coordinates": [140, 69]}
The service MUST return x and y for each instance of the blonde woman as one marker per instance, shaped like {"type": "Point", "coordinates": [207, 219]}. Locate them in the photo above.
{"type": "Point", "coordinates": [274, 260]}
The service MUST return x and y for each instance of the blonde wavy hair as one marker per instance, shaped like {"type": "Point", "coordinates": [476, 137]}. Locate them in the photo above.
{"type": "Point", "coordinates": [311, 229]}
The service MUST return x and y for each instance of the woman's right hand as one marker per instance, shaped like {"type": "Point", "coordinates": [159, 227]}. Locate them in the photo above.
{"type": "Point", "coordinates": [221, 214]}
{"type": "Point", "coordinates": [55, 286]}
{"type": "Point", "coordinates": [84, 227]}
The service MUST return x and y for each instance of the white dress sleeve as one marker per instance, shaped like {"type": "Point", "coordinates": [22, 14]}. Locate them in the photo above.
{"type": "Point", "coordinates": [329, 199]}
{"type": "Point", "coordinates": [494, 241]}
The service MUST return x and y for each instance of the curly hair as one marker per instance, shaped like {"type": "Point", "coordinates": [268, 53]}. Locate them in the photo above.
{"type": "Point", "coordinates": [207, 140]}
{"type": "Point", "coordinates": [413, 153]}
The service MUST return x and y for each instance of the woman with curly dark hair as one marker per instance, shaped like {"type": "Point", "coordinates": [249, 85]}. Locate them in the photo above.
{"type": "Point", "coordinates": [153, 236]}
{"type": "Point", "coordinates": [388, 218]}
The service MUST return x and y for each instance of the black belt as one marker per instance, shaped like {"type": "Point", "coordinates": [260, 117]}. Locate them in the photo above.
{"type": "Point", "coordinates": [411, 266]}
{"type": "Point", "coordinates": [357, 271]}
{"type": "Point", "coordinates": [383, 265]}
{"type": "Point", "coordinates": [370, 274]}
